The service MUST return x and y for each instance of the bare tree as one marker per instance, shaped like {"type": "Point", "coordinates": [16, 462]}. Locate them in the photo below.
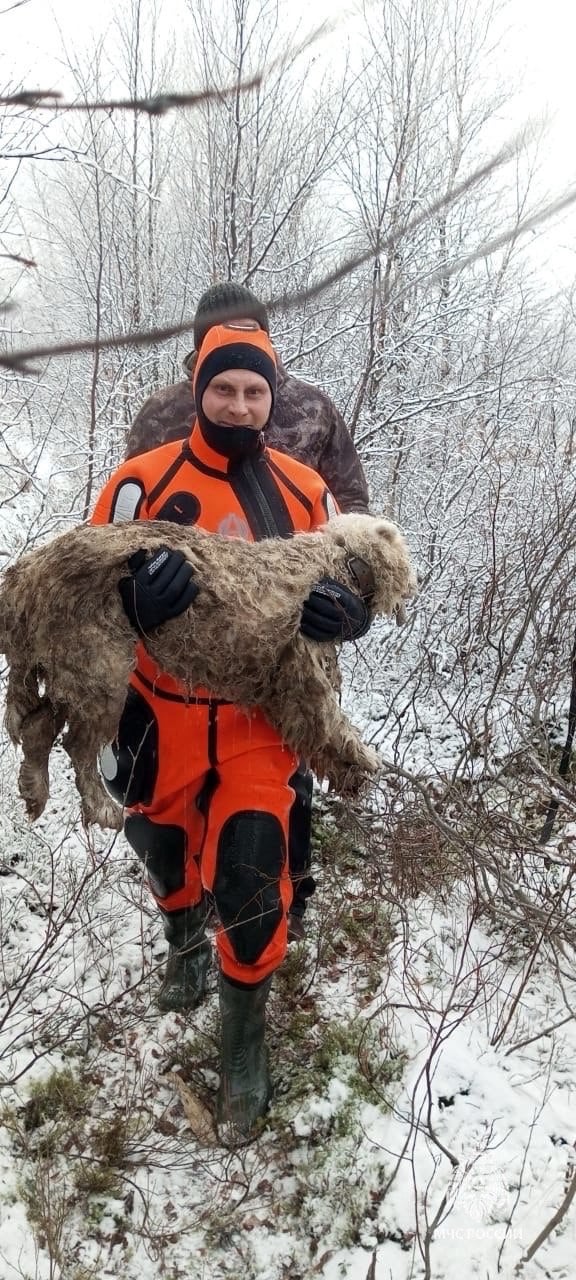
{"type": "Point", "coordinates": [249, 166]}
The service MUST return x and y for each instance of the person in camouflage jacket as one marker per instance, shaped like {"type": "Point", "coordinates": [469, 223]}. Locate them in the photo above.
{"type": "Point", "coordinates": [305, 423]}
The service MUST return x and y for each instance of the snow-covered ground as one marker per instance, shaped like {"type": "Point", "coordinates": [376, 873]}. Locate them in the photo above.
{"type": "Point", "coordinates": [424, 1118]}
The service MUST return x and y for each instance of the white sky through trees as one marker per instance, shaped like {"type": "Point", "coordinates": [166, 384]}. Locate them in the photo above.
{"type": "Point", "coordinates": [537, 44]}
{"type": "Point", "coordinates": [542, 38]}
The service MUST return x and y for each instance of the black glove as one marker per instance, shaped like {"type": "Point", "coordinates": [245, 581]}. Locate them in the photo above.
{"type": "Point", "coordinates": [332, 612]}
{"type": "Point", "coordinates": [159, 588]}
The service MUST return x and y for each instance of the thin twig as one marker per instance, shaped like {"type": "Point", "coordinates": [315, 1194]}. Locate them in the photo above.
{"type": "Point", "coordinates": [17, 257]}
{"type": "Point", "coordinates": [546, 1031]}
{"type": "Point", "coordinates": [157, 105]}
{"type": "Point", "coordinates": [160, 103]}
{"type": "Point", "coordinates": [17, 5]}
{"type": "Point", "coordinates": [551, 1225]}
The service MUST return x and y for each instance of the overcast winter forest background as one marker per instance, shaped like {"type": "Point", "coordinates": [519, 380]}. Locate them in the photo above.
{"type": "Point", "coordinates": [423, 1038]}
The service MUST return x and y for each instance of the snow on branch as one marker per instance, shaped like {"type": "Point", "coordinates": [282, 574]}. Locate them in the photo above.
{"type": "Point", "coordinates": [19, 360]}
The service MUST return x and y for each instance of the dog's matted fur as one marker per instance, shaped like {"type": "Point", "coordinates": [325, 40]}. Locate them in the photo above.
{"type": "Point", "coordinates": [71, 649]}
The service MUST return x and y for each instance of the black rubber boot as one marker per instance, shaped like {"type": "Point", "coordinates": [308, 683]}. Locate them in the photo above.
{"type": "Point", "coordinates": [189, 954]}
{"type": "Point", "coordinates": [245, 1086]}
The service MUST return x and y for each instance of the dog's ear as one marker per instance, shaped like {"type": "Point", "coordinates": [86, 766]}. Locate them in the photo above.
{"type": "Point", "coordinates": [331, 528]}
{"type": "Point", "coordinates": [387, 530]}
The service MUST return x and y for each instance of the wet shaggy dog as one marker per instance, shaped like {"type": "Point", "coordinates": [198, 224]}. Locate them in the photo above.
{"type": "Point", "coordinates": [71, 649]}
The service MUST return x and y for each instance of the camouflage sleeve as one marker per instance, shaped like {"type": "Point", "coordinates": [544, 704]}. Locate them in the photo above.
{"type": "Point", "coordinates": [166, 415]}
{"type": "Point", "coordinates": [342, 470]}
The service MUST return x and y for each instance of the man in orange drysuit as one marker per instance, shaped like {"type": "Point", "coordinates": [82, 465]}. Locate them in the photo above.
{"type": "Point", "coordinates": [207, 786]}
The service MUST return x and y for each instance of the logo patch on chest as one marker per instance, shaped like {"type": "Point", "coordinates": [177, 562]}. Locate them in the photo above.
{"type": "Point", "coordinates": [234, 526]}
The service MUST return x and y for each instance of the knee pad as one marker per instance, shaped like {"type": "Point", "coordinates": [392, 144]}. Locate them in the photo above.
{"type": "Point", "coordinates": [246, 889]}
{"type": "Point", "coordinates": [162, 849]}
{"type": "Point", "coordinates": [129, 766]}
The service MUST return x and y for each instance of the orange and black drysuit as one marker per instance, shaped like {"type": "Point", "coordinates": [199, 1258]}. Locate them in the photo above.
{"type": "Point", "coordinates": [208, 787]}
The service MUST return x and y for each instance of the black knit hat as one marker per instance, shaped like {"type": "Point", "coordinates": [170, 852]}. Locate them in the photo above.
{"type": "Point", "coordinates": [227, 301]}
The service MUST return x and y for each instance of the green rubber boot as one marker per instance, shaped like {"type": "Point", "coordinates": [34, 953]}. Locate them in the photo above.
{"type": "Point", "coordinates": [189, 955]}
{"type": "Point", "coordinates": [245, 1085]}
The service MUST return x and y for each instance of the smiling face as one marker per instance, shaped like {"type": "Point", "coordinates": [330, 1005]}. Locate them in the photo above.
{"type": "Point", "coordinates": [238, 398]}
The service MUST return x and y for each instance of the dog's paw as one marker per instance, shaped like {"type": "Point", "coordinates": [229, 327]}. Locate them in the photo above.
{"type": "Point", "coordinates": [351, 779]}
{"type": "Point", "coordinates": [373, 761]}
{"type": "Point", "coordinates": [33, 787]}
{"type": "Point", "coordinates": [34, 807]}
{"type": "Point", "coordinates": [102, 813]}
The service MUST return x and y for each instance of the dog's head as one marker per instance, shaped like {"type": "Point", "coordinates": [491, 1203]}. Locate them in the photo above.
{"type": "Point", "coordinates": [379, 544]}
